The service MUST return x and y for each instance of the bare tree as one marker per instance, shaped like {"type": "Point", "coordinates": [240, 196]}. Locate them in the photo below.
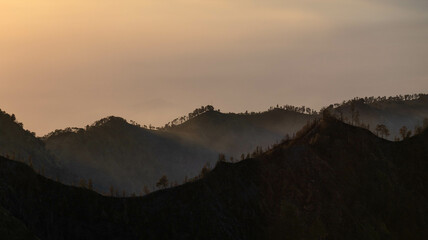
{"type": "Point", "coordinates": [163, 182]}
{"type": "Point", "coordinates": [90, 185]}
{"type": "Point", "coordinates": [405, 133]}
{"type": "Point", "coordinates": [146, 190]}
{"type": "Point", "coordinates": [111, 191]}
{"type": "Point", "coordinates": [382, 130]}
{"type": "Point", "coordinates": [221, 157]}
{"type": "Point", "coordinates": [205, 170]}
{"type": "Point", "coordinates": [82, 183]}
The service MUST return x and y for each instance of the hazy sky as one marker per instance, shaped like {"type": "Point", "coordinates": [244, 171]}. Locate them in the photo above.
{"type": "Point", "coordinates": [71, 62]}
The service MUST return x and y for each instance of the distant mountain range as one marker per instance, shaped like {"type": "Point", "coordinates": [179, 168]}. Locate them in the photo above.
{"type": "Point", "coordinates": [394, 112]}
{"type": "Point", "coordinates": [331, 181]}
{"type": "Point", "coordinates": [115, 154]}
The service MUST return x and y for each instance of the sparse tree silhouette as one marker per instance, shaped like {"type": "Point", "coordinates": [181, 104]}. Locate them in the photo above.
{"type": "Point", "coordinates": [195, 113]}
{"type": "Point", "coordinates": [405, 133]}
{"type": "Point", "coordinates": [425, 123]}
{"type": "Point", "coordinates": [163, 182]}
{"type": "Point", "coordinates": [325, 112]}
{"type": "Point", "coordinates": [205, 169]}
{"type": "Point", "coordinates": [30, 162]}
{"type": "Point", "coordinates": [340, 111]}
{"type": "Point", "coordinates": [357, 118]}
{"type": "Point", "coordinates": [378, 130]}
{"type": "Point", "coordinates": [82, 183]}
{"type": "Point", "coordinates": [386, 132]}
{"type": "Point", "coordinates": [146, 189]}
{"type": "Point", "coordinates": [382, 130]}
{"type": "Point", "coordinates": [90, 186]}
{"type": "Point", "coordinates": [418, 129]}
{"type": "Point", "coordinates": [257, 151]}
{"type": "Point", "coordinates": [352, 112]}
{"type": "Point", "coordinates": [221, 157]}
{"type": "Point", "coordinates": [370, 100]}
{"type": "Point", "coordinates": [111, 190]}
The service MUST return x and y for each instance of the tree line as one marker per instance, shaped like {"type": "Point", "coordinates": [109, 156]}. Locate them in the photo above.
{"type": "Point", "coordinates": [381, 130]}
{"type": "Point", "coordinates": [195, 113]}
{"type": "Point", "coordinates": [379, 99]}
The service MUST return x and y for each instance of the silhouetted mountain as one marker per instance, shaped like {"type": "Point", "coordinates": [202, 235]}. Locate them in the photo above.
{"type": "Point", "coordinates": [234, 134]}
{"type": "Point", "coordinates": [333, 181]}
{"type": "Point", "coordinates": [113, 152]}
{"type": "Point", "coordinates": [22, 145]}
{"type": "Point", "coordinates": [393, 112]}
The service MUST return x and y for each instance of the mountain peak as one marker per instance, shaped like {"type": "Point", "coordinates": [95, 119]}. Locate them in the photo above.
{"type": "Point", "coordinates": [110, 121]}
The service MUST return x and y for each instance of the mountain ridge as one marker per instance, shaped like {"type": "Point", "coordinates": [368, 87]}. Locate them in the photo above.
{"type": "Point", "coordinates": [332, 181]}
{"type": "Point", "coordinates": [116, 153]}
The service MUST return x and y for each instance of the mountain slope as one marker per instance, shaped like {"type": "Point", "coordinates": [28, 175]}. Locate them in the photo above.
{"type": "Point", "coordinates": [333, 181]}
{"type": "Point", "coordinates": [394, 112]}
{"type": "Point", "coordinates": [234, 134]}
{"type": "Point", "coordinates": [351, 185]}
{"type": "Point", "coordinates": [23, 146]}
{"type": "Point", "coordinates": [127, 157]}
{"type": "Point", "coordinates": [12, 229]}
{"type": "Point", "coordinates": [115, 153]}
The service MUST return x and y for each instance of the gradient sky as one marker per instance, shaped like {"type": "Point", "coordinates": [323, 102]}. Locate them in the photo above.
{"type": "Point", "coordinates": [70, 62]}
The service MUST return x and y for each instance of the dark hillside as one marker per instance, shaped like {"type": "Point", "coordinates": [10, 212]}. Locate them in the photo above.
{"type": "Point", "coordinates": [23, 146]}
{"type": "Point", "coordinates": [394, 112]}
{"type": "Point", "coordinates": [234, 134]}
{"type": "Point", "coordinates": [205, 209]}
{"type": "Point", "coordinates": [115, 153]}
{"type": "Point", "coordinates": [13, 229]}
{"type": "Point", "coordinates": [342, 182]}
{"type": "Point", "coordinates": [333, 181]}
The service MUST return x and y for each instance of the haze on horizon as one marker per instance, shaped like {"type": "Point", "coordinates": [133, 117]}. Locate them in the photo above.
{"type": "Point", "coordinates": [69, 63]}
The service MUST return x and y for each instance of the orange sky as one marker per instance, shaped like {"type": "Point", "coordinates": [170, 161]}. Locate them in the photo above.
{"type": "Point", "coordinates": [70, 62]}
